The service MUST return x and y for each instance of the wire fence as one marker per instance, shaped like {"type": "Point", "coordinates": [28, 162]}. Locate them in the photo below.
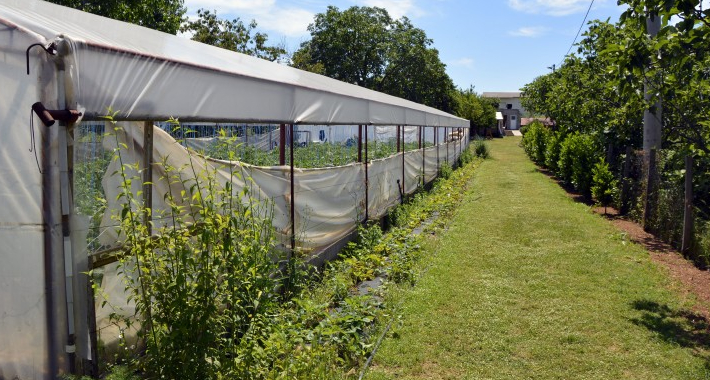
{"type": "Point", "coordinates": [653, 192]}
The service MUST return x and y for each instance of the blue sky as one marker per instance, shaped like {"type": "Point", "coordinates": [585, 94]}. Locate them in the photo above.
{"type": "Point", "coordinates": [494, 45]}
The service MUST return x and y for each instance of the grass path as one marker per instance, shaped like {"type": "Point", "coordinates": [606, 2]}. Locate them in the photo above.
{"type": "Point", "coordinates": [527, 284]}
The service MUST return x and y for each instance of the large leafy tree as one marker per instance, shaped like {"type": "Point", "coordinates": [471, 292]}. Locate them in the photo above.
{"type": "Point", "coordinates": [163, 15]}
{"type": "Point", "coordinates": [583, 96]}
{"type": "Point", "coordinates": [351, 45]}
{"type": "Point", "coordinates": [365, 46]}
{"type": "Point", "coordinates": [231, 35]}
{"type": "Point", "coordinates": [480, 111]}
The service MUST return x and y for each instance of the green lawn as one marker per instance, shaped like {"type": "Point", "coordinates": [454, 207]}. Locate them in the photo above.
{"type": "Point", "coordinates": [527, 284]}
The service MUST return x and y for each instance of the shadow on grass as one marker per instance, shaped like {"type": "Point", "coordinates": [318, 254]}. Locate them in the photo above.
{"type": "Point", "coordinates": [682, 327]}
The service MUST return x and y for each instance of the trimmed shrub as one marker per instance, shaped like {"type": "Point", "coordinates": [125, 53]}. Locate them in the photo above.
{"type": "Point", "coordinates": [552, 151]}
{"type": "Point", "coordinates": [535, 142]}
{"type": "Point", "coordinates": [578, 154]}
{"type": "Point", "coordinates": [604, 187]}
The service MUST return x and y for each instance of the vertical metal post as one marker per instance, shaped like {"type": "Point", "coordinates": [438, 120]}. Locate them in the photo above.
{"type": "Point", "coordinates": [367, 180]}
{"type": "Point", "coordinates": [398, 147]}
{"type": "Point", "coordinates": [359, 143]}
{"type": "Point", "coordinates": [436, 144]}
{"type": "Point", "coordinates": [446, 141]}
{"type": "Point", "coordinates": [422, 146]}
{"type": "Point", "coordinates": [293, 196]}
{"type": "Point", "coordinates": [148, 173]}
{"type": "Point", "coordinates": [688, 212]}
{"type": "Point", "coordinates": [282, 144]}
{"type": "Point", "coordinates": [404, 181]}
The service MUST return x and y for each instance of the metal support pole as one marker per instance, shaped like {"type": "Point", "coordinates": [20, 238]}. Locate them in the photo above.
{"type": "Point", "coordinates": [293, 196]}
{"type": "Point", "coordinates": [404, 181]}
{"type": "Point", "coordinates": [359, 143]}
{"type": "Point", "coordinates": [367, 180]}
{"type": "Point", "coordinates": [282, 144]}
{"type": "Point", "coordinates": [398, 147]}
{"type": "Point", "coordinates": [436, 144]}
{"type": "Point", "coordinates": [422, 146]}
{"type": "Point", "coordinates": [446, 141]}
{"type": "Point", "coordinates": [688, 212]}
{"type": "Point", "coordinates": [148, 172]}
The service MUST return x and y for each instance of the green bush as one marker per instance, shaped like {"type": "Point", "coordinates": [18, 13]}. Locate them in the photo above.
{"type": "Point", "coordinates": [535, 142]}
{"type": "Point", "coordinates": [480, 148]}
{"type": "Point", "coordinates": [578, 154]}
{"type": "Point", "coordinates": [552, 150]}
{"type": "Point", "coordinates": [605, 186]}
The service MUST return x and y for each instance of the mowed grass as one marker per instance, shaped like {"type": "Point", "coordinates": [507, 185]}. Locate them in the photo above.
{"type": "Point", "coordinates": [527, 284]}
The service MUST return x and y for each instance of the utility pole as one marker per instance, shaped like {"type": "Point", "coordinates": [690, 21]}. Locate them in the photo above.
{"type": "Point", "coordinates": [652, 116]}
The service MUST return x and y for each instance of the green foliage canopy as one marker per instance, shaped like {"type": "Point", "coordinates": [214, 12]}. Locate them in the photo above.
{"type": "Point", "coordinates": [366, 47]}
{"type": "Point", "coordinates": [163, 15]}
{"type": "Point", "coordinates": [231, 35]}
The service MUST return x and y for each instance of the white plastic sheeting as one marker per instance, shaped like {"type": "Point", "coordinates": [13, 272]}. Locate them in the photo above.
{"type": "Point", "coordinates": [150, 75]}
{"type": "Point", "coordinates": [329, 202]}
{"type": "Point", "coordinates": [146, 75]}
{"type": "Point", "coordinates": [22, 293]}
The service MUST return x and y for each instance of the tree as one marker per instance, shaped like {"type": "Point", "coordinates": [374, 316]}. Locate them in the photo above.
{"type": "Point", "coordinates": [352, 45]}
{"type": "Point", "coordinates": [231, 35]}
{"type": "Point", "coordinates": [366, 47]}
{"type": "Point", "coordinates": [163, 15]}
{"type": "Point", "coordinates": [480, 111]}
{"type": "Point", "coordinates": [604, 185]}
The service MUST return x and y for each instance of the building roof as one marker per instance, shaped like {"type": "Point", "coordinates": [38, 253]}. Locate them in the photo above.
{"type": "Point", "coordinates": [150, 75]}
{"type": "Point", "coordinates": [512, 94]}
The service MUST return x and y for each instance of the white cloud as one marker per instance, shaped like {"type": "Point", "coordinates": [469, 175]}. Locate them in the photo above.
{"type": "Point", "coordinates": [529, 31]}
{"type": "Point", "coordinates": [551, 7]}
{"type": "Point", "coordinates": [396, 8]}
{"type": "Point", "coordinates": [462, 62]}
{"type": "Point", "coordinates": [270, 16]}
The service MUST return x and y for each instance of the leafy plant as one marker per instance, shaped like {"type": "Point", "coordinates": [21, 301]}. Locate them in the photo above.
{"type": "Point", "coordinates": [605, 186]}
{"type": "Point", "coordinates": [480, 148]}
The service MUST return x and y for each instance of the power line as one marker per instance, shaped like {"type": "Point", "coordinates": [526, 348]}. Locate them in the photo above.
{"type": "Point", "coordinates": [578, 32]}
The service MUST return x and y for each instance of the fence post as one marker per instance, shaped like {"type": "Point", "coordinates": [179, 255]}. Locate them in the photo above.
{"type": "Point", "coordinates": [688, 212]}
{"type": "Point", "coordinates": [626, 172]}
{"type": "Point", "coordinates": [423, 149]}
{"type": "Point", "coordinates": [436, 144]}
{"type": "Point", "coordinates": [293, 198]}
{"type": "Point", "coordinates": [649, 202]}
{"type": "Point", "coordinates": [282, 144]}
{"type": "Point", "coordinates": [446, 141]}
{"type": "Point", "coordinates": [359, 143]}
{"type": "Point", "coordinates": [148, 173]}
{"type": "Point", "coordinates": [404, 181]}
{"type": "Point", "coordinates": [398, 133]}
{"type": "Point", "coordinates": [367, 180]}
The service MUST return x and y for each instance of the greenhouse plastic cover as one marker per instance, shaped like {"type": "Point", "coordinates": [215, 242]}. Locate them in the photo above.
{"type": "Point", "coordinates": [329, 202]}
{"type": "Point", "coordinates": [149, 75]}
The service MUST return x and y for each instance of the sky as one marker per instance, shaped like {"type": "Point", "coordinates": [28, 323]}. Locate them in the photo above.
{"type": "Point", "coordinates": [493, 45]}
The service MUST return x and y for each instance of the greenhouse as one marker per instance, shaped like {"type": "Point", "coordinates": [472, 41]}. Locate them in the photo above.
{"type": "Point", "coordinates": [323, 154]}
